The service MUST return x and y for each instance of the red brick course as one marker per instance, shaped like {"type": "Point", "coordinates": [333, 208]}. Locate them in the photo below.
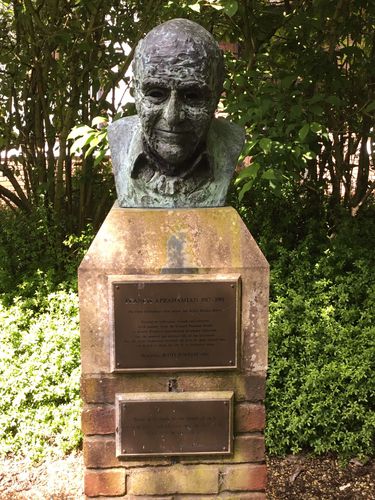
{"type": "Point", "coordinates": [98, 420]}
{"type": "Point", "coordinates": [105, 482]}
{"type": "Point", "coordinates": [100, 452]}
{"type": "Point", "coordinates": [249, 417]}
{"type": "Point", "coordinates": [244, 477]}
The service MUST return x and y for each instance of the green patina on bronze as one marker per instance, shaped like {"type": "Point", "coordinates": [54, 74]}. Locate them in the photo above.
{"type": "Point", "coordinates": [174, 153]}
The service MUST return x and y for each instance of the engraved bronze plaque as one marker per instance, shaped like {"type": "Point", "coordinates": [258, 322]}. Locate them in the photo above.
{"type": "Point", "coordinates": [175, 325]}
{"type": "Point", "coordinates": [174, 424]}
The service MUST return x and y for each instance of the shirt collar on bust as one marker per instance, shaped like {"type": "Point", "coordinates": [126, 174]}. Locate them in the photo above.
{"type": "Point", "coordinates": [146, 166]}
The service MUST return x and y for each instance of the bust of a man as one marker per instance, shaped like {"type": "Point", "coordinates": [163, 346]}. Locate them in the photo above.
{"type": "Point", "coordinates": [174, 153]}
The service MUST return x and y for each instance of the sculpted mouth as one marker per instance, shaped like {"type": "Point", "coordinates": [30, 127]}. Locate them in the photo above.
{"type": "Point", "coordinates": [173, 132]}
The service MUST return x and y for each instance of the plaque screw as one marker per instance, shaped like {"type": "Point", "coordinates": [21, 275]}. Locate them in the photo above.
{"type": "Point", "coordinates": [124, 451]}
{"type": "Point", "coordinates": [232, 286]}
{"type": "Point", "coordinates": [224, 448]}
{"type": "Point", "coordinates": [231, 362]}
{"type": "Point", "coordinates": [225, 403]}
{"type": "Point", "coordinates": [117, 364]}
{"type": "Point", "coordinates": [117, 287]}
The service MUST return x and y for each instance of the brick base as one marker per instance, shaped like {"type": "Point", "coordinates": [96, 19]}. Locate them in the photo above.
{"type": "Point", "coordinates": [205, 480]}
{"type": "Point", "coordinates": [241, 475]}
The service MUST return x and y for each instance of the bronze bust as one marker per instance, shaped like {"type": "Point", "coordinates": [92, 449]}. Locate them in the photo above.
{"type": "Point", "coordinates": [174, 153]}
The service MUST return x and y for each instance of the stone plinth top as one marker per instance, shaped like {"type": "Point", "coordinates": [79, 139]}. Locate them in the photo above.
{"type": "Point", "coordinates": [158, 241]}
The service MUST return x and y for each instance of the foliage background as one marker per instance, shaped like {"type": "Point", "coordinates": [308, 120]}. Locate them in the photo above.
{"type": "Point", "coordinates": [302, 83]}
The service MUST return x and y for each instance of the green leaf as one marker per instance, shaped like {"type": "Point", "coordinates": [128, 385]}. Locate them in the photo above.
{"type": "Point", "coordinates": [316, 98]}
{"type": "Point", "coordinates": [269, 175]}
{"type": "Point", "coordinates": [245, 188]}
{"type": "Point", "coordinates": [240, 80]}
{"type": "Point", "coordinates": [95, 141]}
{"type": "Point", "coordinates": [370, 107]}
{"type": "Point", "coordinates": [265, 144]}
{"type": "Point", "coordinates": [353, 51]}
{"type": "Point", "coordinates": [251, 171]}
{"type": "Point", "coordinates": [289, 128]}
{"type": "Point", "coordinates": [296, 110]}
{"type": "Point", "coordinates": [195, 6]}
{"type": "Point", "coordinates": [230, 7]}
{"type": "Point", "coordinates": [216, 7]}
{"type": "Point", "coordinates": [100, 157]}
{"type": "Point", "coordinates": [316, 109]}
{"type": "Point", "coordinates": [334, 100]}
{"type": "Point", "coordinates": [93, 146]}
{"type": "Point", "coordinates": [302, 134]}
{"type": "Point", "coordinates": [78, 131]}
{"type": "Point", "coordinates": [227, 85]}
{"type": "Point", "coordinates": [265, 105]}
{"type": "Point", "coordinates": [215, 4]}
{"type": "Point", "coordinates": [98, 120]}
{"type": "Point", "coordinates": [250, 146]}
{"type": "Point", "coordinates": [316, 127]}
{"type": "Point", "coordinates": [309, 155]}
{"type": "Point", "coordinates": [287, 81]}
{"type": "Point", "coordinates": [81, 142]}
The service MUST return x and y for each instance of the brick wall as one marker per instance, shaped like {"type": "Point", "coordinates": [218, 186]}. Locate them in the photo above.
{"type": "Point", "coordinates": [217, 477]}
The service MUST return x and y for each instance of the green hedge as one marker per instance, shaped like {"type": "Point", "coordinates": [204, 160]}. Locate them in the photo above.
{"type": "Point", "coordinates": [39, 336]}
{"type": "Point", "coordinates": [39, 375]}
{"type": "Point", "coordinates": [320, 393]}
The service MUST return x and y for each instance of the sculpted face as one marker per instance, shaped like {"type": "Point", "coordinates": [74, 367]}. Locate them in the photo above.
{"type": "Point", "coordinates": [178, 79]}
{"type": "Point", "coordinates": [175, 113]}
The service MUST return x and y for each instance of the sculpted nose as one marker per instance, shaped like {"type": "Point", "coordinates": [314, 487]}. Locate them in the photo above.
{"type": "Point", "coordinates": [173, 112]}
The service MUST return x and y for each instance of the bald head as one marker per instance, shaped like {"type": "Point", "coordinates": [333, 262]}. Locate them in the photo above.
{"type": "Point", "coordinates": [177, 45]}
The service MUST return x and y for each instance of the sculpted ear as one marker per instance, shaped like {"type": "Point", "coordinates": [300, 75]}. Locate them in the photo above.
{"type": "Point", "coordinates": [137, 59]}
{"type": "Point", "coordinates": [137, 67]}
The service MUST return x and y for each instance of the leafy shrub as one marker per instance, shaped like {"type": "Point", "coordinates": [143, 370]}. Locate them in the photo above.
{"type": "Point", "coordinates": [39, 375]}
{"type": "Point", "coordinates": [39, 338]}
{"type": "Point", "coordinates": [320, 394]}
{"type": "Point", "coordinates": [36, 255]}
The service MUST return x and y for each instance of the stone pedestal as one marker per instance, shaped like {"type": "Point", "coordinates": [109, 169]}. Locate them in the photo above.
{"type": "Point", "coordinates": [141, 245]}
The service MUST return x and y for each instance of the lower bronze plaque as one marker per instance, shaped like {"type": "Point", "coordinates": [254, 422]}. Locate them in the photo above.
{"type": "Point", "coordinates": [191, 423]}
{"type": "Point", "coordinates": [175, 324]}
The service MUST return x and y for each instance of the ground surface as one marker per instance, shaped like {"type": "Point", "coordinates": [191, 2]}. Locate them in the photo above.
{"type": "Point", "coordinates": [295, 477]}
{"type": "Point", "coordinates": [304, 478]}
{"type": "Point", "coordinates": [57, 480]}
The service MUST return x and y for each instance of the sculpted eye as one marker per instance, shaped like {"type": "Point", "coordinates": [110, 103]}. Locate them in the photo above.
{"type": "Point", "coordinates": [192, 95]}
{"type": "Point", "coordinates": [156, 94]}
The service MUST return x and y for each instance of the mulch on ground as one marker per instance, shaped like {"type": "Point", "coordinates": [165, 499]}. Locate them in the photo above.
{"type": "Point", "coordinates": [300, 477]}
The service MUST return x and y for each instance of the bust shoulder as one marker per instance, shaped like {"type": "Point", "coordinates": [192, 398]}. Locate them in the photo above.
{"type": "Point", "coordinates": [120, 136]}
{"type": "Point", "coordinates": [223, 130]}
{"type": "Point", "coordinates": [224, 142]}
